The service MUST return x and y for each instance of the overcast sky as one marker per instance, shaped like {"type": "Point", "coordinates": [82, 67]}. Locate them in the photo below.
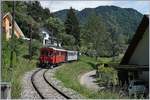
{"type": "Point", "coordinates": [55, 5]}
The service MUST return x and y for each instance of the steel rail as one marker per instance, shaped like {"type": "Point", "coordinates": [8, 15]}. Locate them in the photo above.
{"type": "Point", "coordinates": [35, 87]}
{"type": "Point", "coordinates": [61, 93]}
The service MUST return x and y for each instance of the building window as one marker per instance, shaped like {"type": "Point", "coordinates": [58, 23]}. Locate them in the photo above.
{"type": "Point", "coordinates": [10, 24]}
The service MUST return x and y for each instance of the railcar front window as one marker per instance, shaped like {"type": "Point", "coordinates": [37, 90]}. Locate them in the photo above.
{"type": "Point", "coordinates": [50, 54]}
{"type": "Point", "coordinates": [44, 52]}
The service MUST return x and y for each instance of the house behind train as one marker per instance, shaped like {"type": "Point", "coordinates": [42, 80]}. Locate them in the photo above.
{"type": "Point", "coordinates": [135, 63]}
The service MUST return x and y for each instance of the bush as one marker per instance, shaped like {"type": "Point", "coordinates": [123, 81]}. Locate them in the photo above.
{"type": "Point", "coordinates": [107, 75]}
{"type": "Point", "coordinates": [35, 47]}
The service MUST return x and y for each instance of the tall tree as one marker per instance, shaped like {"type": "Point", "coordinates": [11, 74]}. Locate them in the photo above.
{"type": "Point", "coordinates": [113, 43]}
{"type": "Point", "coordinates": [72, 26]}
{"type": "Point", "coordinates": [96, 33]}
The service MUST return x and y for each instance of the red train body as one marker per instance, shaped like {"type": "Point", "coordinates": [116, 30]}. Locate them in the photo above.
{"type": "Point", "coordinates": [52, 56]}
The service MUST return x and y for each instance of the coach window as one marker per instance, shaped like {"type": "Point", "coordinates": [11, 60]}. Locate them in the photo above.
{"type": "Point", "coordinates": [49, 54]}
{"type": "Point", "coordinates": [59, 53]}
{"type": "Point", "coordinates": [54, 53]}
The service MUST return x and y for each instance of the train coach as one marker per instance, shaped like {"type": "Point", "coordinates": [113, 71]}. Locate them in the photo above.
{"type": "Point", "coordinates": [53, 56]}
{"type": "Point", "coordinates": [72, 55]}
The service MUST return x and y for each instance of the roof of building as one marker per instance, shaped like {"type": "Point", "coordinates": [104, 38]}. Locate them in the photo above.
{"type": "Point", "coordinates": [136, 39]}
{"type": "Point", "coordinates": [16, 25]}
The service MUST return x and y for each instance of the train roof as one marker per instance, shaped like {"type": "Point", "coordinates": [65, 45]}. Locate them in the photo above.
{"type": "Point", "coordinates": [54, 48]}
{"type": "Point", "coordinates": [60, 49]}
{"type": "Point", "coordinates": [71, 51]}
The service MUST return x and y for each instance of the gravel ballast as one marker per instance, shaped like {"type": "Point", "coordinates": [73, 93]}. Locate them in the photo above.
{"type": "Point", "coordinates": [59, 85]}
{"type": "Point", "coordinates": [28, 91]}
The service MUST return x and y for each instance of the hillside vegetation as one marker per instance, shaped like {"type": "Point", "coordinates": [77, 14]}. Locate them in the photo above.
{"type": "Point", "coordinates": [104, 30]}
{"type": "Point", "coordinates": [125, 19]}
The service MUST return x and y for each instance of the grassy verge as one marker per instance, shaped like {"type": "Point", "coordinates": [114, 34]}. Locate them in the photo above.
{"type": "Point", "coordinates": [69, 75]}
{"type": "Point", "coordinates": [20, 66]}
{"type": "Point", "coordinates": [18, 71]}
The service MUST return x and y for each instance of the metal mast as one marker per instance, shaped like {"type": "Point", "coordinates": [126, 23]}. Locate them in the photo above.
{"type": "Point", "coordinates": [12, 38]}
{"type": "Point", "coordinates": [30, 42]}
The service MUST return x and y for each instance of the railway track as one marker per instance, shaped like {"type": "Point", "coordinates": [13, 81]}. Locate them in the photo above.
{"type": "Point", "coordinates": [44, 88]}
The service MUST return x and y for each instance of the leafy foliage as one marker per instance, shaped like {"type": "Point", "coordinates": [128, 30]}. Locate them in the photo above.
{"type": "Point", "coordinates": [107, 75]}
{"type": "Point", "coordinates": [20, 65]}
{"type": "Point", "coordinates": [125, 19]}
{"type": "Point", "coordinates": [38, 13]}
{"type": "Point", "coordinates": [35, 48]}
{"type": "Point", "coordinates": [28, 13]}
{"type": "Point", "coordinates": [72, 26]}
{"type": "Point", "coordinates": [95, 34]}
{"type": "Point", "coordinates": [55, 26]}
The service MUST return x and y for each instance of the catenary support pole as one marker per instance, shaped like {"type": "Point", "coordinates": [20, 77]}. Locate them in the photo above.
{"type": "Point", "coordinates": [30, 42]}
{"type": "Point", "coordinates": [12, 40]}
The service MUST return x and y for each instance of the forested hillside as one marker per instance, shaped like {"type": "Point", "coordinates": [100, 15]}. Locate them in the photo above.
{"type": "Point", "coordinates": [125, 20]}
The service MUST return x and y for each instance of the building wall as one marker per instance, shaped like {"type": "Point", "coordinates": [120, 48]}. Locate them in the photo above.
{"type": "Point", "coordinates": [141, 53]}
{"type": "Point", "coordinates": [17, 33]}
{"type": "Point", "coordinates": [8, 28]}
{"type": "Point", "coordinates": [144, 75]}
{"type": "Point", "coordinates": [141, 56]}
{"type": "Point", "coordinates": [6, 25]}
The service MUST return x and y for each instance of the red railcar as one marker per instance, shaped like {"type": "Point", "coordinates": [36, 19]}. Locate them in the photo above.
{"type": "Point", "coordinates": [52, 56]}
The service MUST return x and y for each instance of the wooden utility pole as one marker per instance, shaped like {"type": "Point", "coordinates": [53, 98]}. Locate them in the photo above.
{"type": "Point", "coordinates": [12, 39]}
{"type": "Point", "coordinates": [30, 42]}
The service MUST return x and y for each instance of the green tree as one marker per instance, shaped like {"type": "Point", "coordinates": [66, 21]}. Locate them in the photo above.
{"type": "Point", "coordinates": [36, 45]}
{"type": "Point", "coordinates": [57, 27]}
{"type": "Point", "coordinates": [113, 45]}
{"type": "Point", "coordinates": [72, 26]}
{"type": "Point", "coordinates": [35, 10]}
{"type": "Point", "coordinates": [95, 33]}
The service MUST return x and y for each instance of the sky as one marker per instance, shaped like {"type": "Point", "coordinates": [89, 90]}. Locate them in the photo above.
{"type": "Point", "coordinates": [56, 5]}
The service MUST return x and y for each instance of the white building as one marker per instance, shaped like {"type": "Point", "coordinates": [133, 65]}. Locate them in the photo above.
{"type": "Point", "coordinates": [49, 40]}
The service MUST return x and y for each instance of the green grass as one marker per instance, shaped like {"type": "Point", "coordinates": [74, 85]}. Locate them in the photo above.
{"type": "Point", "coordinates": [16, 75]}
{"type": "Point", "coordinates": [70, 73]}
{"type": "Point", "coordinates": [107, 60]}
{"type": "Point", "coordinates": [104, 59]}
{"type": "Point", "coordinates": [20, 66]}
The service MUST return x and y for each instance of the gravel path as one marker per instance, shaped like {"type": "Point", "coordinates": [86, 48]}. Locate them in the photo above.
{"type": "Point", "coordinates": [28, 91]}
{"type": "Point", "coordinates": [88, 79]}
